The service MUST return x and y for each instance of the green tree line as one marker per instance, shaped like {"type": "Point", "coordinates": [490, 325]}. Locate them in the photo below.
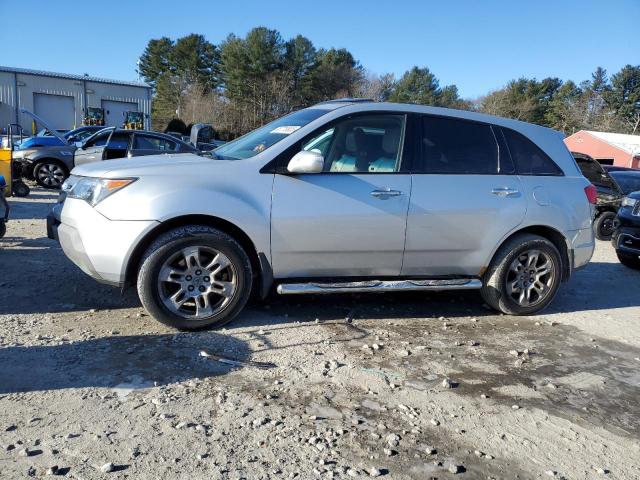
{"type": "Point", "coordinates": [247, 81]}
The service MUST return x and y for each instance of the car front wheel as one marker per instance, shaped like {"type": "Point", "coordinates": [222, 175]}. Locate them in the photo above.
{"type": "Point", "coordinates": [194, 277]}
{"type": "Point", "coordinates": [604, 226]}
{"type": "Point", "coordinates": [50, 174]}
{"type": "Point", "coordinates": [524, 275]}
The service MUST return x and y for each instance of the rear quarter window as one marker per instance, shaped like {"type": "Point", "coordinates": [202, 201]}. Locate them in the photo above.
{"type": "Point", "coordinates": [528, 157]}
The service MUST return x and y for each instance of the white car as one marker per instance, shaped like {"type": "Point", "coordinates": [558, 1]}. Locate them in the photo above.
{"type": "Point", "coordinates": [345, 196]}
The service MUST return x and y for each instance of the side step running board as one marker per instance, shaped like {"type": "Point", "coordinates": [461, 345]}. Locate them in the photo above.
{"type": "Point", "coordinates": [379, 286]}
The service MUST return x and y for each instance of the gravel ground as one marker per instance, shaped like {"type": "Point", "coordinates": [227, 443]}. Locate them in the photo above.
{"type": "Point", "coordinates": [398, 386]}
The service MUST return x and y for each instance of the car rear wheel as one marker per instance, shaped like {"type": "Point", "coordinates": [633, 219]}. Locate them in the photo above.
{"type": "Point", "coordinates": [604, 226]}
{"type": "Point", "coordinates": [50, 174]}
{"type": "Point", "coordinates": [629, 260]}
{"type": "Point", "coordinates": [194, 277]}
{"type": "Point", "coordinates": [524, 276]}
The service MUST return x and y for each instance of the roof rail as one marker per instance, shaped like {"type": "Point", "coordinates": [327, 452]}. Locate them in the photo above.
{"type": "Point", "coordinates": [347, 100]}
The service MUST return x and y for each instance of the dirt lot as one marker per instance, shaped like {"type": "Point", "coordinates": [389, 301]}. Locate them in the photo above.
{"type": "Point", "coordinates": [91, 387]}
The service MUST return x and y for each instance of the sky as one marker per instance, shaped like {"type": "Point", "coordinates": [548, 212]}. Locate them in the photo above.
{"type": "Point", "coordinates": [477, 45]}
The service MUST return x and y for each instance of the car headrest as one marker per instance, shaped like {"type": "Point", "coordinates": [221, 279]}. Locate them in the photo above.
{"type": "Point", "coordinates": [390, 140]}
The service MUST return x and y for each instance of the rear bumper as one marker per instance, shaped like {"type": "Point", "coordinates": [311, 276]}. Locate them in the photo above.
{"type": "Point", "coordinates": [582, 244]}
{"type": "Point", "coordinates": [98, 246]}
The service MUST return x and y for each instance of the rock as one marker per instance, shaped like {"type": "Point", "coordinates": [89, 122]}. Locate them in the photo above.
{"type": "Point", "coordinates": [25, 452]}
{"type": "Point", "coordinates": [478, 453]}
{"type": "Point", "coordinates": [10, 428]}
{"type": "Point", "coordinates": [388, 452]}
{"type": "Point", "coordinates": [374, 472]}
{"type": "Point", "coordinates": [352, 473]}
{"type": "Point", "coordinates": [405, 353]}
{"type": "Point", "coordinates": [430, 451]}
{"type": "Point", "coordinates": [602, 471]}
{"type": "Point", "coordinates": [551, 473]}
{"type": "Point", "coordinates": [181, 425]}
{"type": "Point", "coordinates": [393, 440]}
{"type": "Point", "coordinates": [453, 468]}
{"type": "Point", "coordinates": [448, 383]}
{"type": "Point", "coordinates": [515, 407]}
{"type": "Point", "coordinates": [435, 422]}
{"type": "Point", "coordinates": [107, 468]}
{"type": "Point", "coordinates": [53, 470]}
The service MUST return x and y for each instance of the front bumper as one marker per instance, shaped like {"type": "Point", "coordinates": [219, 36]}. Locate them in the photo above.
{"type": "Point", "coordinates": [627, 239]}
{"type": "Point", "coordinates": [99, 246]}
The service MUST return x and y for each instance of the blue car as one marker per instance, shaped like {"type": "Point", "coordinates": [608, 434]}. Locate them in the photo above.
{"type": "Point", "coordinates": [48, 140]}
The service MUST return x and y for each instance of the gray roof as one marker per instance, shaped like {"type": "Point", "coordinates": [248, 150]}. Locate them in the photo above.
{"type": "Point", "coordinates": [27, 71]}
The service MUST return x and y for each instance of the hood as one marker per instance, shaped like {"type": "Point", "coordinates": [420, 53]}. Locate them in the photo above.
{"type": "Point", "coordinates": [166, 165]}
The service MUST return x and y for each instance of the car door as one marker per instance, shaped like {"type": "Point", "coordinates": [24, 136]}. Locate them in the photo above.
{"type": "Point", "coordinates": [144, 144]}
{"type": "Point", "coordinates": [92, 150]}
{"type": "Point", "coordinates": [349, 220]}
{"type": "Point", "coordinates": [465, 198]}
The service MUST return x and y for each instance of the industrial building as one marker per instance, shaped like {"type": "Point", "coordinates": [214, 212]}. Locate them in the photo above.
{"type": "Point", "coordinates": [62, 99]}
{"type": "Point", "coordinates": [608, 148]}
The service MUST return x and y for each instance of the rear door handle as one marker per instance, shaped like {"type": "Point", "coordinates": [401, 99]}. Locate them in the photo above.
{"type": "Point", "coordinates": [505, 192]}
{"type": "Point", "coordinates": [384, 194]}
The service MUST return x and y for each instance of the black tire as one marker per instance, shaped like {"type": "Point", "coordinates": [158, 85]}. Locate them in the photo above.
{"type": "Point", "coordinates": [3, 228]}
{"type": "Point", "coordinates": [603, 226]}
{"type": "Point", "coordinates": [50, 174]}
{"type": "Point", "coordinates": [20, 189]}
{"type": "Point", "coordinates": [494, 289]}
{"type": "Point", "coordinates": [171, 243]}
{"type": "Point", "coordinates": [629, 260]}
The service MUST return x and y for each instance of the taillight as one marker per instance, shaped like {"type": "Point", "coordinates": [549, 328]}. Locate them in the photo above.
{"type": "Point", "coordinates": [591, 193]}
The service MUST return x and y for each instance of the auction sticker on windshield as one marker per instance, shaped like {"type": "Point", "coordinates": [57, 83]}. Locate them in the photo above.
{"type": "Point", "coordinates": [286, 129]}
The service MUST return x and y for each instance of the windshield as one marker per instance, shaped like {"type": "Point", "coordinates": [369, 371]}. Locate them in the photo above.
{"type": "Point", "coordinates": [264, 137]}
{"type": "Point", "coordinates": [628, 181]}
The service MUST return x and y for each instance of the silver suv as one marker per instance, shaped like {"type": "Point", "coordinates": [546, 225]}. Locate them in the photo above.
{"type": "Point", "coordinates": [345, 196]}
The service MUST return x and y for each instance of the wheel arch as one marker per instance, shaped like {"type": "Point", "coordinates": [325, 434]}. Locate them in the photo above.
{"type": "Point", "coordinates": [553, 235]}
{"type": "Point", "coordinates": [259, 263]}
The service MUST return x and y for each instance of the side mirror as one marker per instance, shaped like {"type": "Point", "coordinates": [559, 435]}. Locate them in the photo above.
{"type": "Point", "coordinates": [306, 162]}
{"type": "Point", "coordinates": [79, 145]}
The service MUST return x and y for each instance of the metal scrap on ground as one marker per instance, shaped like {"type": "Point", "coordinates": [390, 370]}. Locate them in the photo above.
{"type": "Point", "coordinates": [236, 363]}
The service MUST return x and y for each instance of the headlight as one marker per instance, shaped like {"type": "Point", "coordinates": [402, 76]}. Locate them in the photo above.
{"type": "Point", "coordinates": [629, 202]}
{"type": "Point", "coordinates": [93, 190]}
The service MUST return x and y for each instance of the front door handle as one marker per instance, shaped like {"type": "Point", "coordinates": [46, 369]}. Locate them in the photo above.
{"type": "Point", "coordinates": [384, 194]}
{"type": "Point", "coordinates": [505, 192]}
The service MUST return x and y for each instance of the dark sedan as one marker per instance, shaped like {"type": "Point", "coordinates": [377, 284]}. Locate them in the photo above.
{"type": "Point", "coordinates": [50, 166]}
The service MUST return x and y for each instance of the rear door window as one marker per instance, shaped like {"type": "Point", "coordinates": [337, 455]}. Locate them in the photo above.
{"type": "Point", "coordinates": [528, 157]}
{"type": "Point", "coordinates": [147, 142]}
{"type": "Point", "coordinates": [460, 147]}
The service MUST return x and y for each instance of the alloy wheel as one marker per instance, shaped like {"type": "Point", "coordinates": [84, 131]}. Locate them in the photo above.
{"type": "Point", "coordinates": [197, 282]}
{"type": "Point", "coordinates": [51, 175]}
{"type": "Point", "coordinates": [530, 277]}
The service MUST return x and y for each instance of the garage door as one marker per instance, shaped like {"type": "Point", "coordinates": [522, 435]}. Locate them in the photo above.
{"type": "Point", "coordinates": [57, 110]}
{"type": "Point", "coordinates": [114, 112]}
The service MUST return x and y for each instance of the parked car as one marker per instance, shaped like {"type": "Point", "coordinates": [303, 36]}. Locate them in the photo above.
{"type": "Point", "coordinates": [345, 196]}
{"type": "Point", "coordinates": [612, 184]}
{"type": "Point", "coordinates": [50, 166]}
{"type": "Point", "coordinates": [626, 236]}
{"type": "Point", "coordinates": [609, 194]}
